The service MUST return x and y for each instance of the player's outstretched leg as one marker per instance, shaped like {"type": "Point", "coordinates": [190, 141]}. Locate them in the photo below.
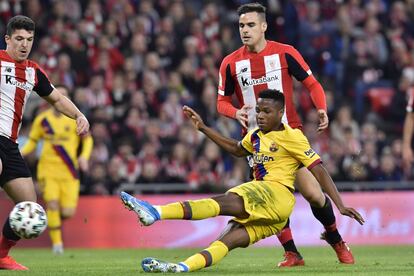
{"type": "Point", "coordinates": [147, 214]}
{"type": "Point", "coordinates": [292, 255]}
{"type": "Point", "coordinates": [7, 241]}
{"type": "Point", "coordinates": [155, 265]}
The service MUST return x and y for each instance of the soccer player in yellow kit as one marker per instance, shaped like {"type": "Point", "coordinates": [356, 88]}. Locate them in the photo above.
{"type": "Point", "coordinates": [58, 166]}
{"type": "Point", "coordinates": [260, 207]}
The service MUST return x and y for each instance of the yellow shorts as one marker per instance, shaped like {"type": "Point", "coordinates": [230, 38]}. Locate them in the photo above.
{"type": "Point", "coordinates": [63, 190]}
{"type": "Point", "coordinates": [269, 205]}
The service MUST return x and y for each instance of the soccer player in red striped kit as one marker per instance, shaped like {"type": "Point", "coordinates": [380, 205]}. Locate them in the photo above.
{"type": "Point", "coordinates": [18, 78]}
{"type": "Point", "coordinates": [261, 64]}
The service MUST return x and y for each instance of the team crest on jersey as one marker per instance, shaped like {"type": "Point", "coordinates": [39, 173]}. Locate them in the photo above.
{"type": "Point", "coordinates": [273, 147]}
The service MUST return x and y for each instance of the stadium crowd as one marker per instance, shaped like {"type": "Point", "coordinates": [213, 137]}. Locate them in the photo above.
{"type": "Point", "coordinates": [132, 64]}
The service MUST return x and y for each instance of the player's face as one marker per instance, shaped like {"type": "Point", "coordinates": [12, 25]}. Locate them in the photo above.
{"type": "Point", "coordinates": [252, 28]}
{"type": "Point", "coordinates": [19, 44]}
{"type": "Point", "coordinates": [268, 114]}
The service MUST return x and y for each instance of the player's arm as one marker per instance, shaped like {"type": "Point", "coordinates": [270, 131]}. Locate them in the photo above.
{"type": "Point", "coordinates": [407, 152]}
{"type": "Point", "coordinates": [67, 107]}
{"type": "Point", "coordinates": [298, 146]}
{"type": "Point", "coordinates": [225, 91]}
{"type": "Point", "coordinates": [35, 135]}
{"type": "Point", "coordinates": [45, 89]}
{"type": "Point", "coordinates": [298, 68]}
{"type": "Point", "coordinates": [228, 144]}
{"type": "Point", "coordinates": [87, 146]}
{"type": "Point", "coordinates": [328, 186]}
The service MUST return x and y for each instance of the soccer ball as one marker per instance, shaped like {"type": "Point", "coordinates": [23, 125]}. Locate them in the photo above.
{"type": "Point", "coordinates": [28, 219]}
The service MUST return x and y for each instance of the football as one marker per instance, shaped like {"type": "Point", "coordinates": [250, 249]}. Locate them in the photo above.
{"type": "Point", "coordinates": [28, 219]}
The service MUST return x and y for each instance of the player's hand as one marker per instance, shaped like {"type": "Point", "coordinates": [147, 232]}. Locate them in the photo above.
{"type": "Point", "coordinates": [323, 120]}
{"type": "Point", "coordinates": [82, 125]}
{"type": "Point", "coordinates": [241, 115]}
{"type": "Point", "coordinates": [195, 118]}
{"type": "Point", "coordinates": [83, 164]}
{"type": "Point", "coordinates": [351, 212]}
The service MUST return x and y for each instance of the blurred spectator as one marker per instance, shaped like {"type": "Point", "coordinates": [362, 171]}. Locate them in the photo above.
{"type": "Point", "coordinates": [343, 120]}
{"type": "Point", "coordinates": [388, 169]}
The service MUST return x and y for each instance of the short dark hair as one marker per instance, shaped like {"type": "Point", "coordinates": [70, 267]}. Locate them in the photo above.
{"type": "Point", "coordinates": [273, 94]}
{"type": "Point", "coordinates": [252, 7]}
{"type": "Point", "coordinates": [20, 22]}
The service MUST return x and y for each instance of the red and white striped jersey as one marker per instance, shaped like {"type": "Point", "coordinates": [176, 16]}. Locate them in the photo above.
{"type": "Point", "coordinates": [246, 74]}
{"type": "Point", "coordinates": [17, 81]}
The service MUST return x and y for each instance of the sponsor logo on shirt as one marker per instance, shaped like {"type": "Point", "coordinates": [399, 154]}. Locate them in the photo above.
{"type": "Point", "coordinates": [261, 158]}
{"type": "Point", "coordinates": [310, 153]}
{"type": "Point", "coordinates": [262, 80]}
{"type": "Point", "coordinates": [22, 85]}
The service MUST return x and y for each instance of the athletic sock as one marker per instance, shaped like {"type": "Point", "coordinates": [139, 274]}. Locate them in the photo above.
{"type": "Point", "coordinates": [8, 239]}
{"type": "Point", "coordinates": [54, 224]}
{"type": "Point", "coordinates": [327, 217]}
{"type": "Point", "coordinates": [191, 210]}
{"type": "Point", "coordinates": [207, 257]}
{"type": "Point", "coordinates": [286, 239]}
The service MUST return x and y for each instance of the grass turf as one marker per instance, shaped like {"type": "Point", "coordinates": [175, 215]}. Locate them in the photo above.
{"type": "Point", "coordinates": [371, 260]}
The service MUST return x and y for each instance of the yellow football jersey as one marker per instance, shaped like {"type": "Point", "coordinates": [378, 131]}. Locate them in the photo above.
{"type": "Point", "coordinates": [59, 155]}
{"type": "Point", "coordinates": [277, 155]}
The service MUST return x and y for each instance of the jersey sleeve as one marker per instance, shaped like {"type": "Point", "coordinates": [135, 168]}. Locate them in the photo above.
{"type": "Point", "coordinates": [298, 146]}
{"type": "Point", "coordinates": [43, 86]}
{"type": "Point", "coordinates": [246, 143]}
{"type": "Point", "coordinates": [297, 66]}
{"type": "Point", "coordinates": [34, 136]}
{"type": "Point", "coordinates": [226, 85]}
{"type": "Point", "coordinates": [226, 89]}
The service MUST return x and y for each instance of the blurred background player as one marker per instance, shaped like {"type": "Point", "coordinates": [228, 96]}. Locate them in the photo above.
{"type": "Point", "coordinates": [20, 77]}
{"type": "Point", "coordinates": [60, 185]}
{"type": "Point", "coordinates": [408, 130]}
{"type": "Point", "coordinates": [261, 64]}
{"type": "Point", "coordinates": [262, 206]}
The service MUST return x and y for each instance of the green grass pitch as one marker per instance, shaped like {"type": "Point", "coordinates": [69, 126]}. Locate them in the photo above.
{"type": "Point", "coordinates": [371, 260]}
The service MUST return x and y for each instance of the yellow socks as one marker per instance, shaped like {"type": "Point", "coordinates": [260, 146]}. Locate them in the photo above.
{"type": "Point", "coordinates": [191, 210]}
{"type": "Point", "coordinates": [54, 224]}
{"type": "Point", "coordinates": [209, 256]}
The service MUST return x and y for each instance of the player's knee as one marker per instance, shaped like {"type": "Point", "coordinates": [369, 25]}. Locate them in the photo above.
{"type": "Point", "coordinates": [235, 236]}
{"type": "Point", "coordinates": [53, 205]}
{"type": "Point", "coordinates": [231, 204]}
{"type": "Point", "coordinates": [315, 199]}
{"type": "Point", "coordinates": [66, 213]}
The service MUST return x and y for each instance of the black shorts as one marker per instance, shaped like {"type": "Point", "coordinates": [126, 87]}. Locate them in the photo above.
{"type": "Point", "coordinates": [12, 162]}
